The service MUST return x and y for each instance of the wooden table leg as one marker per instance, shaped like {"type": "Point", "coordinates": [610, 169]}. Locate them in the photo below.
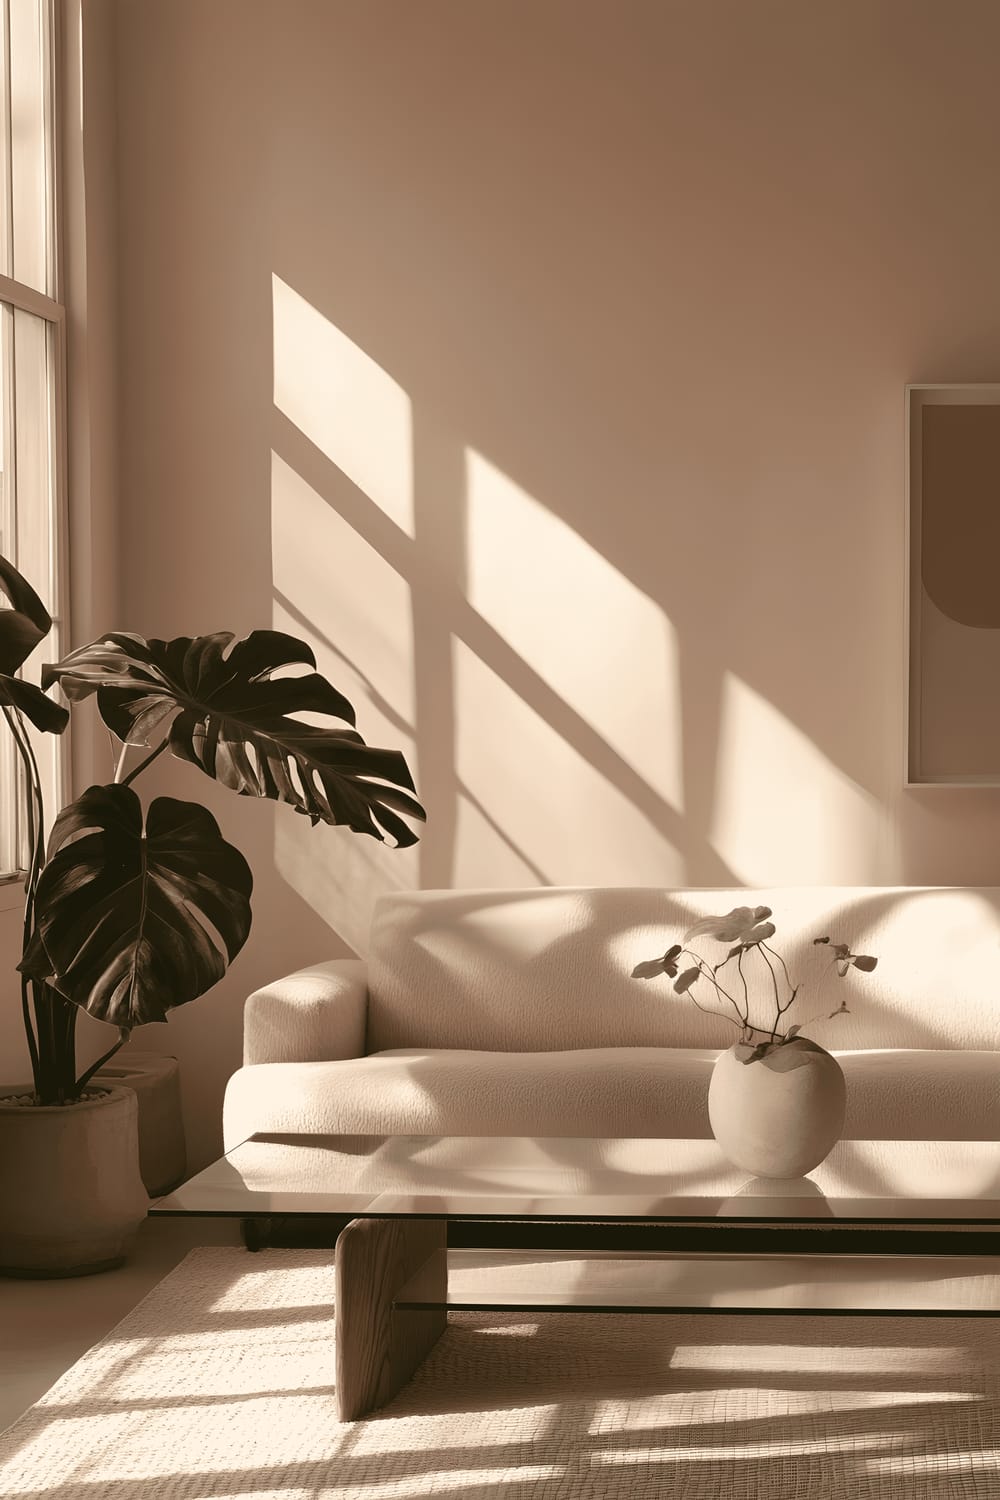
{"type": "Point", "coordinates": [378, 1348]}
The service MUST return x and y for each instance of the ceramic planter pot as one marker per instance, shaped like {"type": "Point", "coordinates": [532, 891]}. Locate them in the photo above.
{"type": "Point", "coordinates": [780, 1115]}
{"type": "Point", "coordinates": [71, 1196]}
{"type": "Point", "coordinates": [154, 1078]}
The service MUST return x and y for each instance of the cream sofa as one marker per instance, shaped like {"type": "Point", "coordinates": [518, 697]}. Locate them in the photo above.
{"type": "Point", "coordinates": [514, 1012]}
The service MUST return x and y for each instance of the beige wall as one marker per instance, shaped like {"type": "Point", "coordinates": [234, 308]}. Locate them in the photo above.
{"type": "Point", "coordinates": [543, 364]}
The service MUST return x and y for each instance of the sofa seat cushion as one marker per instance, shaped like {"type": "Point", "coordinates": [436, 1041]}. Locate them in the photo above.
{"type": "Point", "coordinates": [918, 1094]}
{"type": "Point", "coordinates": [601, 1091]}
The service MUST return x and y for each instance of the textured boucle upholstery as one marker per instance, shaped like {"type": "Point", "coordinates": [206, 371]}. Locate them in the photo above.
{"type": "Point", "coordinates": [604, 1091]}
{"type": "Point", "coordinates": [516, 970]}
{"type": "Point", "coordinates": [513, 1012]}
{"type": "Point", "coordinates": [312, 1015]}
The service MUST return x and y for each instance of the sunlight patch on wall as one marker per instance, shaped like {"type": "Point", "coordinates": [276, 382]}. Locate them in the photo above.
{"type": "Point", "coordinates": [599, 642]}
{"type": "Point", "coordinates": [343, 402]}
{"type": "Point", "coordinates": [351, 599]}
{"type": "Point", "coordinates": [784, 813]}
{"type": "Point", "coordinates": [555, 808]}
{"type": "Point", "coordinates": [338, 594]}
{"type": "Point", "coordinates": [493, 851]}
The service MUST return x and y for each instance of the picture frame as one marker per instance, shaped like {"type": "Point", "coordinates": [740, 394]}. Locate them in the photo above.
{"type": "Point", "coordinates": [952, 585]}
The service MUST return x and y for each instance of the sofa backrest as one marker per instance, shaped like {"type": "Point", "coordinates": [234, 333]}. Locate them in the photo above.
{"type": "Point", "coordinates": [549, 968]}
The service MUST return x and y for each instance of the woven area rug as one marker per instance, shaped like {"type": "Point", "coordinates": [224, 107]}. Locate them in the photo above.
{"type": "Point", "coordinates": [220, 1384]}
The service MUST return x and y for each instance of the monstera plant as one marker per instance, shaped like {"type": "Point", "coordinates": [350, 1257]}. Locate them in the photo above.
{"type": "Point", "coordinates": [131, 911]}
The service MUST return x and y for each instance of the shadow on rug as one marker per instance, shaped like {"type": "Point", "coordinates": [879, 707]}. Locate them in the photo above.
{"type": "Point", "coordinates": [221, 1384]}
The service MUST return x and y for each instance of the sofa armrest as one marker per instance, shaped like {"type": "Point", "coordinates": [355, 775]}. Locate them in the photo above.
{"type": "Point", "coordinates": [317, 1014]}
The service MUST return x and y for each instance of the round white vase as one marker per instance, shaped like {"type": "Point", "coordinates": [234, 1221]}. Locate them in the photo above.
{"type": "Point", "coordinates": [780, 1115]}
{"type": "Point", "coordinates": [71, 1196]}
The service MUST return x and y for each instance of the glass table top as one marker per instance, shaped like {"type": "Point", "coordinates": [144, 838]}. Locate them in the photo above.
{"type": "Point", "coordinates": [600, 1179]}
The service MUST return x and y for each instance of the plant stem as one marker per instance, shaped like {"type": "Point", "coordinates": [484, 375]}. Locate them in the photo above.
{"type": "Point", "coordinates": [777, 997]}
{"type": "Point", "coordinates": [84, 1079]}
{"type": "Point", "coordinates": [36, 842]}
{"type": "Point", "coordinates": [708, 974]}
{"type": "Point", "coordinates": [120, 762]}
{"type": "Point", "coordinates": [51, 1044]}
{"type": "Point", "coordinates": [742, 1026]}
{"type": "Point", "coordinates": [821, 1016]}
{"type": "Point", "coordinates": [709, 1011]}
{"type": "Point", "coordinates": [67, 1041]}
{"type": "Point", "coordinates": [775, 954]}
{"type": "Point", "coordinates": [29, 1032]}
{"type": "Point", "coordinates": [163, 745]}
{"type": "Point", "coordinates": [746, 992]}
{"type": "Point", "coordinates": [48, 1086]}
{"type": "Point", "coordinates": [792, 992]}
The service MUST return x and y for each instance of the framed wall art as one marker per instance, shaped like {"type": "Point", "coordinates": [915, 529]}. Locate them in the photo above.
{"type": "Point", "coordinates": [953, 585]}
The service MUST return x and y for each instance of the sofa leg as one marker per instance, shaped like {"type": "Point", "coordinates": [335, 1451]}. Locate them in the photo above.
{"type": "Point", "coordinates": [308, 1232]}
{"type": "Point", "coordinates": [378, 1346]}
{"type": "Point", "coordinates": [255, 1233]}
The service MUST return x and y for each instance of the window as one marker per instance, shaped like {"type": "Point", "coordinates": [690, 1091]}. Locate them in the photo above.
{"type": "Point", "coordinates": [32, 365]}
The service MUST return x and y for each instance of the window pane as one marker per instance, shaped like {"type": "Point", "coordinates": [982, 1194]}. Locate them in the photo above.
{"type": "Point", "coordinates": [8, 549]}
{"type": "Point", "coordinates": [30, 371]}
{"type": "Point", "coordinates": [31, 139]}
{"type": "Point", "coordinates": [29, 482]}
{"type": "Point", "coordinates": [8, 540]}
{"type": "Point", "coordinates": [36, 509]}
{"type": "Point", "coordinates": [6, 250]}
{"type": "Point", "coordinates": [34, 425]}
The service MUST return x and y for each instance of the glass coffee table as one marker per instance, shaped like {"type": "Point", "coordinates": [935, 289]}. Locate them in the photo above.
{"type": "Point", "coordinates": [396, 1279]}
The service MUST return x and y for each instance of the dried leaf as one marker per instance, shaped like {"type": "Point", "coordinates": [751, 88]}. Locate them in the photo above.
{"type": "Point", "coordinates": [758, 934]}
{"type": "Point", "coordinates": [732, 928]}
{"type": "Point", "coordinates": [649, 969]}
{"type": "Point", "coordinates": [755, 1053]}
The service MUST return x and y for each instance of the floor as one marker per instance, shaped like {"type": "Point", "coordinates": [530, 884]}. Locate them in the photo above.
{"type": "Point", "coordinates": [46, 1325]}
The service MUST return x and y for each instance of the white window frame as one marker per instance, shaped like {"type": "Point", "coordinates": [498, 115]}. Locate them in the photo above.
{"type": "Point", "coordinates": [51, 310]}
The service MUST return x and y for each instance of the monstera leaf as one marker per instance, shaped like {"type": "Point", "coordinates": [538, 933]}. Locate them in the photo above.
{"type": "Point", "coordinates": [129, 923]}
{"type": "Point", "coordinates": [225, 713]}
{"type": "Point", "coordinates": [22, 626]}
